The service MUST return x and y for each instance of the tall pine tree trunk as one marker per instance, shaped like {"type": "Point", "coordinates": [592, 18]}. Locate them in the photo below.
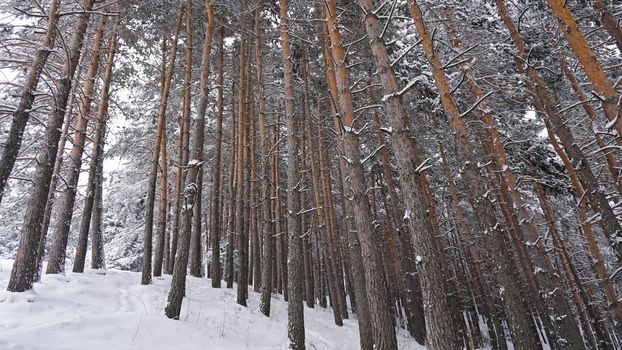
{"type": "Point", "coordinates": [58, 251]}
{"type": "Point", "coordinates": [295, 308]}
{"type": "Point", "coordinates": [25, 265]}
{"type": "Point", "coordinates": [155, 156]}
{"type": "Point", "coordinates": [240, 227]}
{"type": "Point", "coordinates": [381, 319]}
{"type": "Point", "coordinates": [601, 83]}
{"type": "Point", "coordinates": [159, 258]}
{"type": "Point", "coordinates": [216, 205]}
{"type": "Point", "coordinates": [195, 165]}
{"type": "Point", "coordinates": [265, 171]}
{"type": "Point", "coordinates": [21, 115]}
{"type": "Point", "coordinates": [97, 153]}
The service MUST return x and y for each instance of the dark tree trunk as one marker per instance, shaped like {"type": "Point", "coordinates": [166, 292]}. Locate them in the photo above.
{"type": "Point", "coordinates": [377, 294]}
{"type": "Point", "coordinates": [216, 206]}
{"type": "Point", "coordinates": [240, 223]}
{"type": "Point", "coordinates": [98, 260]}
{"type": "Point", "coordinates": [58, 163]}
{"type": "Point", "coordinates": [295, 309]}
{"type": "Point", "coordinates": [21, 115]}
{"type": "Point", "coordinates": [25, 265]}
{"type": "Point", "coordinates": [195, 165]}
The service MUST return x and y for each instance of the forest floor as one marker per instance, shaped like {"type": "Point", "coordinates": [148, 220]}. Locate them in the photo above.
{"type": "Point", "coordinates": [111, 310]}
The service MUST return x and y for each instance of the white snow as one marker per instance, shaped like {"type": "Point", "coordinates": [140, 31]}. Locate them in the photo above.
{"type": "Point", "coordinates": [113, 311]}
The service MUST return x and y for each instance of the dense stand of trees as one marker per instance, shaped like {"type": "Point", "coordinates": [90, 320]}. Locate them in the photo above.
{"type": "Point", "coordinates": [446, 167]}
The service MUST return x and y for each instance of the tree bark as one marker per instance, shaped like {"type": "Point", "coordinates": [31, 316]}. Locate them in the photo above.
{"type": "Point", "coordinates": [216, 229]}
{"type": "Point", "coordinates": [324, 233]}
{"type": "Point", "coordinates": [58, 251]}
{"type": "Point", "coordinates": [519, 321]}
{"type": "Point", "coordinates": [295, 308]}
{"type": "Point", "coordinates": [381, 320]}
{"type": "Point", "coordinates": [153, 175]}
{"type": "Point", "coordinates": [25, 265]}
{"type": "Point", "coordinates": [159, 259]}
{"type": "Point", "coordinates": [98, 260]}
{"type": "Point", "coordinates": [58, 163]}
{"type": "Point", "coordinates": [97, 153]}
{"type": "Point", "coordinates": [592, 68]}
{"type": "Point", "coordinates": [195, 165]}
{"type": "Point", "coordinates": [21, 115]}
{"type": "Point", "coordinates": [609, 21]}
{"type": "Point", "coordinates": [266, 190]}
{"type": "Point", "coordinates": [241, 229]}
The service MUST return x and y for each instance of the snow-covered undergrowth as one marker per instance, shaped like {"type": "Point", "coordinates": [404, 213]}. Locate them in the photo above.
{"type": "Point", "coordinates": [113, 311]}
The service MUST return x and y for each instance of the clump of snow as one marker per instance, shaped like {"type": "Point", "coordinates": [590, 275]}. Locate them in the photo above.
{"type": "Point", "coordinates": [111, 310]}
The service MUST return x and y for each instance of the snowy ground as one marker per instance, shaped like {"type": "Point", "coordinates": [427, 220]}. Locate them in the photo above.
{"type": "Point", "coordinates": [113, 311]}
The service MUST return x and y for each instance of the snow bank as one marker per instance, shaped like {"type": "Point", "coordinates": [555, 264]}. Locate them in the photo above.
{"type": "Point", "coordinates": [113, 311]}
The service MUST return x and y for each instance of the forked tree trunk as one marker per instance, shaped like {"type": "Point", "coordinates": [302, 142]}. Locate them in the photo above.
{"type": "Point", "coordinates": [184, 135]}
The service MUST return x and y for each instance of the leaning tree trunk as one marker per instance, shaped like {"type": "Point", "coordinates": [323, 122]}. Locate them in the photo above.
{"type": "Point", "coordinates": [27, 98]}
{"type": "Point", "coordinates": [98, 150]}
{"type": "Point", "coordinates": [24, 267]}
{"type": "Point", "coordinates": [155, 155]}
{"type": "Point", "coordinates": [441, 332]}
{"type": "Point", "coordinates": [159, 258]}
{"type": "Point", "coordinates": [610, 22]}
{"type": "Point", "coordinates": [58, 251]}
{"type": "Point", "coordinates": [195, 165]}
{"type": "Point", "coordinates": [593, 69]}
{"type": "Point", "coordinates": [377, 294]}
